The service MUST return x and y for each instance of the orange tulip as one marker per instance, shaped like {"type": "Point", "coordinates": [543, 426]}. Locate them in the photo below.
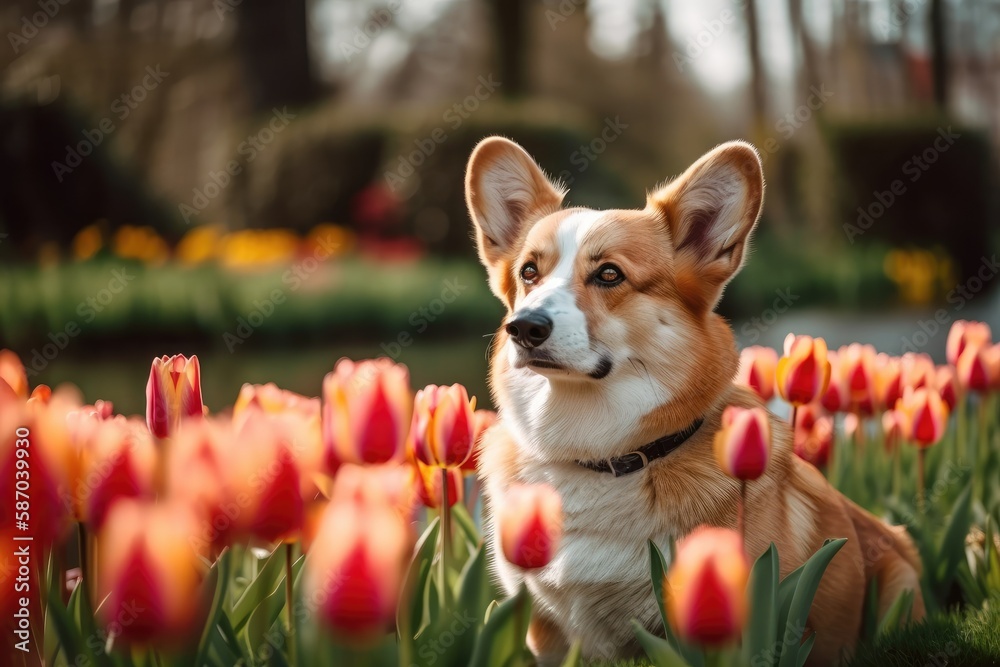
{"type": "Point", "coordinates": [965, 334]}
{"type": "Point", "coordinates": [743, 444]}
{"type": "Point", "coordinates": [946, 382]}
{"type": "Point", "coordinates": [119, 463]}
{"type": "Point", "coordinates": [813, 437]}
{"type": "Point", "coordinates": [366, 411]}
{"type": "Point", "coordinates": [924, 416]}
{"type": "Point", "coordinates": [804, 372]}
{"type": "Point", "coordinates": [355, 568]}
{"type": "Point", "coordinates": [149, 575]}
{"type": "Point", "coordinates": [530, 518]}
{"type": "Point", "coordinates": [705, 589]}
{"type": "Point", "coordinates": [13, 374]}
{"type": "Point", "coordinates": [974, 369]}
{"type": "Point", "coordinates": [427, 480]}
{"type": "Point", "coordinates": [758, 366]}
{"type": "Point", "coordinates": [888, 381]}
{"type": "Point", "coordinates": [482, 421]}
{"type": "Point", "coordinates": [443, 428]}
{"type": "Point", "coordinates": [173, 393]}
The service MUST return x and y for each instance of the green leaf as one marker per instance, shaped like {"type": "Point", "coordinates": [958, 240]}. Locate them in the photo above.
{"type": "Point", "coordinates": [657, 649]}
{"type": "Point", "coordinates": [410, 614]}
{"type": "Point", "coordinates": [762, 591]}
{"type": "Point", "coordinates": [264, 584]}
{"type": "Point", "coordinates": [951, 550]}
{"type": "Point", "coordinates": [806, 649]}
{"type": "Point", "coordinates": [573, 657]}
{"type": "Point", "coordinates": [801, 601]}
{"type": "Point", "coordinates": [502, 638]}
{"type": "Point", "coordinates": [474, 595]}
{"type": "Point", "coordinates": [212, 648]}
{"type": "Point", "coordinates": [898, 614]}
{"type": "Point", "coordinates": [71, 641]}
{"type": "Point", "coordinates": [467, 525]}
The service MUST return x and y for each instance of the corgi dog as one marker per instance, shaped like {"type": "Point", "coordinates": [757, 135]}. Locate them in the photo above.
{"type": "Point", "coordinates": [611, 371]}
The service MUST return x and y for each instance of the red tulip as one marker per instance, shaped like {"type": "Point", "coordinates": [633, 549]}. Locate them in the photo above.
{"type": "Point", "coordinates": [743, 444]}
{"type": "Point", "coordinates": [859, 372]}
{"type": "Point", "coordinates": [391, 484]}
{"type": "Point", "coordinates": [916, 370]}
{"type": "Point", "coordinates": [530, 519]}
{"type": "Point", "coordinates": [443, 429]}
{"type": "Point", "coordinates": [946, 382]}
{"type": "Point", "coordinates": [924, 415]}
{"type": "Point", "coordinates": [366, 411]}
{"type": "Point", "coordinates": [804, 372]}
{"type": "Point", "coordinates": [118, 463]}
{"type": "Point", "coordinates": [355, 568]}
{"type": "Point", "coordinates": [837, 397]}
{"type": "Point", "coordinates": [705, 589]}
{"type": "Point", "coordinates": [974, 369]}
{"type": "Point", "coordinates": [428, 485]}
{"type": "Point", "coordinates": [888, 381]}
{"type": "Point", "coordinates": [813, 437]}
{"type": "Point", "coordinates": [150, 576]}
{"type": "Point", "coordinates": [758, 366]}
{"type": "Point", "coordinates": [964, 334]}
{"type": "Point", "coordinates": [173, 393]}
{"type": "Point", "coordinates": [893, 428]}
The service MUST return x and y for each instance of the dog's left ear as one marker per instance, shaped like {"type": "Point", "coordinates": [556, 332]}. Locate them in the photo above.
{"type": "Point", "coordinates": [711, 210]}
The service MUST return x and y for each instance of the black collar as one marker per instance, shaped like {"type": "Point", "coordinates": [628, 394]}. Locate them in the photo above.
{"type": "Point", "coordinates": [640, 458]}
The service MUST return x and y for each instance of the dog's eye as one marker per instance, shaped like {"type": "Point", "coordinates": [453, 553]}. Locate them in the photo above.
{"type": "Point", "coordinates": [529, 273]}
{"type": "Point", "coordinates": [609, 275]}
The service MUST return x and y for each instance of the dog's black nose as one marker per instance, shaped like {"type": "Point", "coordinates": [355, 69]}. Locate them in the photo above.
{"type": "Point", "coordinates": [530, 329]}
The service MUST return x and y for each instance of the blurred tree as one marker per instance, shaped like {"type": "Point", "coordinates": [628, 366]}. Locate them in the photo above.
{"type": "Point", "coordinates": [510, 27]}
{"type": "Point", "coordinates": [758, 81]}
{"type": "Point", "coordinates": [273, 38]}
{"type": "Point", "coordinates": [939, 54]}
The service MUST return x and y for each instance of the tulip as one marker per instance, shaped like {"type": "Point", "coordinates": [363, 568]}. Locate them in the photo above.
{"type": "Point", "coordinates": [530, 520]}
{"type": "Point", "coordinates": [946, 382]}
{"type": "Point", "coordinates": [758, 366]}
{"type": "Point", "coordinates": [443, 429]}
{"type": "Point", "coordinates": [150, 575]}
{"type": "Point", "coordinates": [173, 393]}
{"type": "Point", "coordinates": [392, 484]}
{"type": "Point", "coordinates": [888, 385]}
{"type": "Point", "coordinates": [965, 334]}
{"type": "Point", "coordinates": [366, 411]}
{"type": "Point", "coordinates": [924, 415]}
{"type": "Point", "coordinates": [813, 437]}
{"type": "Point", "coordinates": [916, 371]}
{"type": "Point", "coordinates": [428, 484]}
{"type": "Point", "coordinates": [356, 566]}
{"type": "Point", "coordinates": [743, 444]}
{"type": "Point", "coordinates": [705, 589]}
{"type": "Point", "coordinates": [13, 374]}
{"type": "Point", "coordinates": [804, 372]}
{"type": "Point", "coordinates": [837, 397]}
{"type": "Point", "coordinates": [974, 369]}
{"type": "Point", "coordinates": [482, 421]}
{"type": "Point", "coordinates": [858, 369]}
{"type": "Point", "coordinates": [892, 428]}
{"type": "Point", "coordinates": [118, 464]}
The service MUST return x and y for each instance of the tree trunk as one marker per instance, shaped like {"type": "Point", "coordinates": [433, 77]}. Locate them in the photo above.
{"type": "Point", "coordinates": [273, 38]}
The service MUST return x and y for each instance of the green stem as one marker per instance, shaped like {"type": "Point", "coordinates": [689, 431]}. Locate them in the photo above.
{"type": "Point", "coordinates": [445, 541]}
{"type": "Point", "coordinates": [83, 546]}
{"type": "Point", "coordinates": [962, 445]}
{"type": "Point", "coordinates": [289, 602]}
{"type": "Point", "coordinates": [982, 456]}
{"type": "Point", "coordinates": [921, 483]}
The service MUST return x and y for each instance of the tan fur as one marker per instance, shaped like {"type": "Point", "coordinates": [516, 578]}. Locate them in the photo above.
{"type": "Point", "coordinates": [677, 253]}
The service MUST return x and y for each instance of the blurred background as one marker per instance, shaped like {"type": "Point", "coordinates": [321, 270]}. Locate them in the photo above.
{"type": "Point", "coordinates": [273, 185]}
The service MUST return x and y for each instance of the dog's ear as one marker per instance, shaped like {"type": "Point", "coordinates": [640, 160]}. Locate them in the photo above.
{"type": "Point", "coordinates": [710, 211]}
{"type": "Point", "coordinates": [506, 192]}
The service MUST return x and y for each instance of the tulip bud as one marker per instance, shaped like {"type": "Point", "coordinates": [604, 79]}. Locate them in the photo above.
{"type": "Point", "coordinates": [837, 397]}
{"type": "Point", "coordinates": [355, 568]}
{"type": "Point", "coordinates": [443, 428]}
{"type": "Point", "coordinates": [858, 369]}
{"type": "Point", "coordinates": [964, 334]}
{"type": "Point", "coordinates": [743, 444]}
{"type": "Point", "coordinates": [813, 437]}
{"type": "Point", "coordinates": [892, 428]}
{"type": "Point", "coordinates": [530, 519]}
{"type": "Point", "coordinates": [149, 573]}
{"type": "Point", "coordinates": [705, 589]}
{"type": "Point", "coordinates": [924, 416]}
{"type": "Point", "coordinates": [946, 382]}
{"type": "Point", "coordinates": [804, 372]}
{"type": "Point", "coordinates": [916, 371]}
{"type": "Point", "coordinates": [366, 411]}
{"type": "Point", "coordinates": [758, 366]}
{"type": "Point", "coordinates": [173, 393]}
{"type": "Point", "coordinates": [888, 381]}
